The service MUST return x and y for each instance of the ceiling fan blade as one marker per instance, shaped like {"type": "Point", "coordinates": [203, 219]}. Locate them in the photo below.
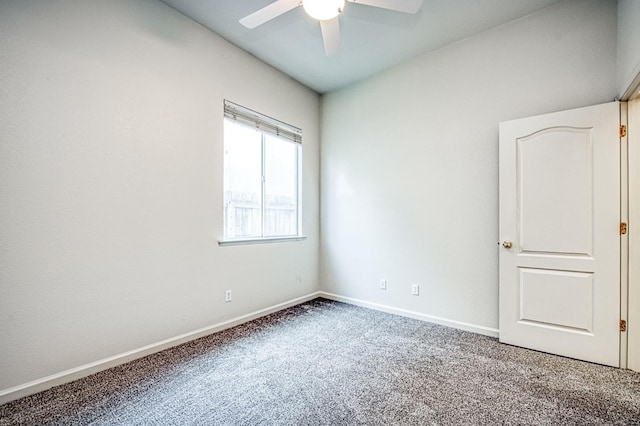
{"type": "Point", "coordinates": [269, 12]}
{"type": "Point", "coordinates": [331, 35]}
{"type": "Point", "coordinates": [406, 6]}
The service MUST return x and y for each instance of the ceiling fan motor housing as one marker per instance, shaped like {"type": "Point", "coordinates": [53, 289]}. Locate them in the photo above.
{"type": "Point", "coordinates": [323, 10]}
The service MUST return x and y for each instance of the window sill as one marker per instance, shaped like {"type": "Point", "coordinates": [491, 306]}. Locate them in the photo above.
{"type": "Point", "coordinates": [268, 240]}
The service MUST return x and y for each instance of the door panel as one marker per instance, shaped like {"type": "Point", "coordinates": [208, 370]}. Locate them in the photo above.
{"type": "Point", "coordinates": [560, 209]}
{"type": "Point", "coordinates": [568, 289]}
{"type": "Point", "coordinates": [555, 190]}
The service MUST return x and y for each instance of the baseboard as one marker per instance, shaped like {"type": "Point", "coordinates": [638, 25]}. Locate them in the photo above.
{"type": "Point", "coordinates": [67, 376]}
{"type": "Point", "coordinates": [487, 331]}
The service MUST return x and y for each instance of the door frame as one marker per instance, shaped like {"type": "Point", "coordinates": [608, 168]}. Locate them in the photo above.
{"type": "Point", "coordinates": [632, 341]}
{"type": "Point", "coordinates": [624, 238]}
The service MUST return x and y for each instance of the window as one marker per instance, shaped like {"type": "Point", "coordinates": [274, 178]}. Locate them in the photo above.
{"type": "Point", "coordinates": [261, 176]}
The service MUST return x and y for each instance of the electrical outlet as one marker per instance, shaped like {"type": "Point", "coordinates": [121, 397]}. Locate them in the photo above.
{"type": "Point", "coordinates": [415, 289]}
{"type": "Point", "coordinates": [227, 296]}
{"type": "Point", "coordinates": [383, 284]}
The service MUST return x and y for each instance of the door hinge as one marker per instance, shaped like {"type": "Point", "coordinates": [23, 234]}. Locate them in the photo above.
{"type": "Point", "coordinates": [623, 130]}
{"type": "Point", "coordinates": [623, 325]}
{"type": "Point", "coordinates": [623, 228]}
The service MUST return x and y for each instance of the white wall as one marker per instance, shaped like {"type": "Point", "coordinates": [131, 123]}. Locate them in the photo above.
{"type": "Point", "coordinates": [628, 58]}
{"type": "Point", "coordinates": [111, 183]}
{"type": "Point", "coordinates": [409, 161]}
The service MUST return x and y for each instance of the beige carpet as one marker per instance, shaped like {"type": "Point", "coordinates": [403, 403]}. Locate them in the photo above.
{"type": "Point", "coordinates": [328, 363]}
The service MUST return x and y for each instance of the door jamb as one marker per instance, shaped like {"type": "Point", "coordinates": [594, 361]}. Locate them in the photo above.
{"type": "Point", "coordinates": [633, 301]}
{"type": "Point", "coordinates": [624, 238]}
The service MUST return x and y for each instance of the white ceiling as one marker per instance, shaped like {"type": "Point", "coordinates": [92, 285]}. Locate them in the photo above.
{"type": "Point", "coordinates": [373, 39]}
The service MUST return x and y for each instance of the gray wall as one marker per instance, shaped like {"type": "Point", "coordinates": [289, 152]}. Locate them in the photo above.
{"type": "Point", "coordinates": [628, 43]}
{"type": "Point", "coordinates": [111, 183]}
{"type": "Point", "coordinates": [409, 162]}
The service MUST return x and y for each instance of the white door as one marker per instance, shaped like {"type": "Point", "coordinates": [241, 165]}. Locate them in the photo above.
{"type": "Point", "coordinates": [560, 233]}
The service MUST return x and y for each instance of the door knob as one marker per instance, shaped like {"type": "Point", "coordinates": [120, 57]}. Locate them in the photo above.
{"type": "Point", "coordinates": [507, 244]}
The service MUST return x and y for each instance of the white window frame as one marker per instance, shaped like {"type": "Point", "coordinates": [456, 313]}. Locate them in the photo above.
{"type": "Point", "coordinates": [267, 126]}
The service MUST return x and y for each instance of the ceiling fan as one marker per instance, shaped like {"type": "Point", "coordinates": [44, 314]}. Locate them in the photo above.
{"type": "Point", "coordinates": [325, 11]}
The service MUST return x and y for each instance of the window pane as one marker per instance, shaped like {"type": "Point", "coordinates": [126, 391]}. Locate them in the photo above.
{"type": "Point", "coordinates": [281, 187]}
{"type": "Point", "coordinates": [242, 181]}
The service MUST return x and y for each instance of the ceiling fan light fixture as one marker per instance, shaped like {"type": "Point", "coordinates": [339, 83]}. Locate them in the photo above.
{"type": "Point", "coordinates": [323, 10]}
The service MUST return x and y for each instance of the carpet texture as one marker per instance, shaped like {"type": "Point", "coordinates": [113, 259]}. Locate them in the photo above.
{"type": "Point", "coordinates": [329, 363]}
